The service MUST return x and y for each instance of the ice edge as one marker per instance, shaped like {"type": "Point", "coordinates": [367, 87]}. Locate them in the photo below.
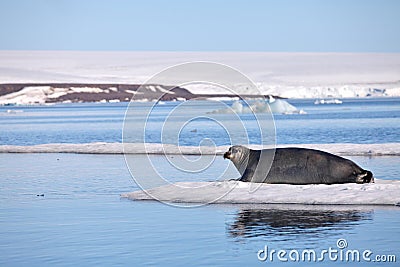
{"type": "Point", "coordinates": [382, 192]}
{"type": "Point", "coordinates": [384, 149]}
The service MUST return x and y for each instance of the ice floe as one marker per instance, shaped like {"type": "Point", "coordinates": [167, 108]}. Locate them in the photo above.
{"type": "Point", "coordinates": [382, 192]}
{"type": "Point", "coordinates": [388, 149]}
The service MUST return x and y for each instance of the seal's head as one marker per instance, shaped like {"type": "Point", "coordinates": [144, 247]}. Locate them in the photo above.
{"type": "Point", "coordinates": [235, 152]}
{"type": "Point", "coordinates": [239, 155]}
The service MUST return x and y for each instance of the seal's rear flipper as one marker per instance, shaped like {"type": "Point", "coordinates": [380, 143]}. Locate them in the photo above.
{"type": "Point", "coordinates": [370, 177]}
{"type": "Point", "coordinates": [365, 177]}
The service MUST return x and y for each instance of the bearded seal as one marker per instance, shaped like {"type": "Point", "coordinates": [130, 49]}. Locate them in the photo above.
{"type": "Point", "coordinates": [295, 166]}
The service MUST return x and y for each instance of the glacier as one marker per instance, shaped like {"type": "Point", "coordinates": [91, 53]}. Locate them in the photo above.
{"type": "Point", "coordinates": [289, 75]}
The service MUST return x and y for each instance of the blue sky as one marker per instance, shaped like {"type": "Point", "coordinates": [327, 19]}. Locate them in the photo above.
{"type": "Point", "coordinates": [208, 25]}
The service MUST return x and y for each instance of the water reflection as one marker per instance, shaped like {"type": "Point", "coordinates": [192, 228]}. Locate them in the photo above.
{"type": "Point", "coordinates": [284, 222]}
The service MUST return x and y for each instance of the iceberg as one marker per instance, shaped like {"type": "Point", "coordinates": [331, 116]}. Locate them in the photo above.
{"type": "Point", "coordinates": [276, 106]}
{"type": "Point", "coordinates": [283, 107]}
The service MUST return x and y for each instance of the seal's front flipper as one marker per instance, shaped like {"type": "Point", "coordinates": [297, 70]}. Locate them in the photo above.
{"type": "Point", "coordinates": [247, 175]}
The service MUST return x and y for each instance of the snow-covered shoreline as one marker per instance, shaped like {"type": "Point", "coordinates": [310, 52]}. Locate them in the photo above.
{"type": "Point", "coordinates": [289, 75]}
{"type": "Point", "coordinates": [344, 149]}
{"type": "Point", "coordinates": [54, 93]}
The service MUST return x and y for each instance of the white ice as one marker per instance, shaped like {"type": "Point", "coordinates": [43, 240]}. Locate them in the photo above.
{"type": "Point", "coordinates": [40, 94]}
{"type": "Point", "coordinates": [292, 75]}
{"type": "Point", "coordinates": [328, 101]}
{"type": "Point", "coordinates": [276, 106]}
{"type": "Point", "coordinates": [392, 149]}
{"type": "Point", "coordinates": [382, 192]}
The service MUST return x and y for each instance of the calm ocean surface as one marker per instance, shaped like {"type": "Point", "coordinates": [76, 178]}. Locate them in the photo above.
{"type": "Point", "coordinates": [80, 220]}
{"type": "Point", "coordinates": [355, 121]}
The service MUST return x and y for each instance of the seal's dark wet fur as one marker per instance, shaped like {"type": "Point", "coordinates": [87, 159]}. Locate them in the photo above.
{"type": "Point", "coordinates": [298, 166]}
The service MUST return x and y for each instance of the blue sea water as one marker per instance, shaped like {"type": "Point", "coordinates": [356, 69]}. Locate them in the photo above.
{"type": "Point", "coordinates": [66, 210]}
{"type": "Point", "coordinates": [81, 220]}
{"type": "Point", "coordinates": [368, 121]}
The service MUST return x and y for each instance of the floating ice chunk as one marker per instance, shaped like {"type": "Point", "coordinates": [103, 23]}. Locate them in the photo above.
{"type": "Point", "coordinates": [283, 107]}
{"type": "Point", "coordinates": [14, 111]}
{"type": "Point", "coordinates": [382, 192]}
{"type": "Point", "coordinates": [277, 106]}
{"type": "Point", "coordinates": [237, 107]}
{"type": "Point", "coordinates": [328, 101]}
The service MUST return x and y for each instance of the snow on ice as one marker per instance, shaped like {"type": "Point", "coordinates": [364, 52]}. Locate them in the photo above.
{"type": "Point", "coordinates": [382, 192]}
{"type": "Point", "coordinates": [388, 149]}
